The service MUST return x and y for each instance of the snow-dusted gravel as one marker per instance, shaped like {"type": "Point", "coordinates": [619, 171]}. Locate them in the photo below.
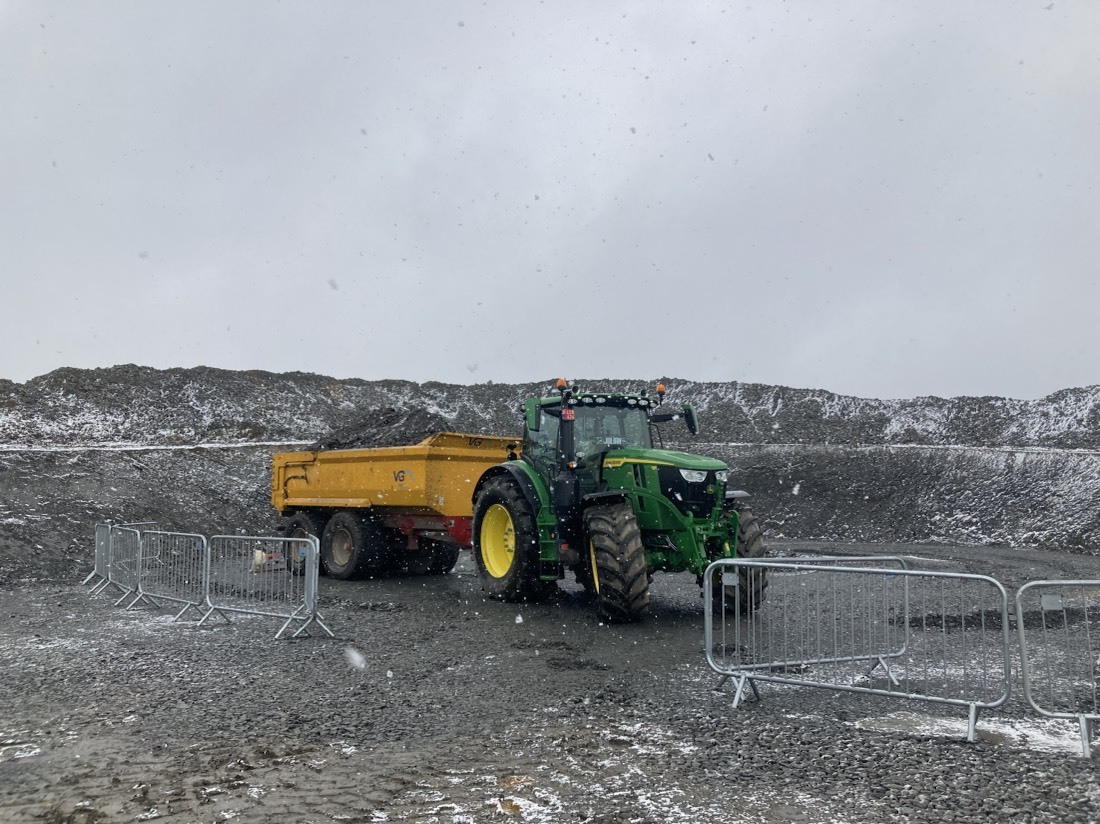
{"type": "Point", "coordinates": [434, 705]}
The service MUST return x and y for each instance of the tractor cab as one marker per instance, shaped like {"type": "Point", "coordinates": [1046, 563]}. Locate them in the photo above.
{"type": "Point", "coordinates": [575, 430]}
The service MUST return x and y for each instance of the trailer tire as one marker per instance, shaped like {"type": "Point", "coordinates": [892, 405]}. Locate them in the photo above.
{"type": "Point", "coordinates": [443, 557]}
{"type": "Point", "coordinates": [506, 545]}
{"type": "Point", "coordinates": [355, 546]}
{"type": "Point", "coordinates": [431, 558]}
{"type": "Point", "coordinates": [301, 525]}
{"type": "Point", "coordinates": [616, 557]}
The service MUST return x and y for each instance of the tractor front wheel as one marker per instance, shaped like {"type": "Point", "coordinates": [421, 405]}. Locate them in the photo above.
{"type": "Point", "coordinates": [750, 545]}
{"type": "Point", "coordinates": [752, 582]}
{"type": "Point", "coordinates": [506, 544]}
{"type": "Point", "coordinates": [616, 558]}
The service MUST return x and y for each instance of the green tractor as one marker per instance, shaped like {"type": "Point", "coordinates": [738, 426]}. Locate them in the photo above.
{"type": "Point", "coordinates": [594, 492]}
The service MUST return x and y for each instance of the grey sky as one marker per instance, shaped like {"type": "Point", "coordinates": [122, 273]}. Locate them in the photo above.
{"type": "Point", "coordinates": [877, 198]}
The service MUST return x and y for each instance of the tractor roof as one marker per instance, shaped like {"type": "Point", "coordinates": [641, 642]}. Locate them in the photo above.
{"type": "Point", "coordinates": [617, 399]}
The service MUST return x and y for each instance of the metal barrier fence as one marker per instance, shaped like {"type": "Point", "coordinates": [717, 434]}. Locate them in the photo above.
{"type": "Point", "coordinates": [273, 577]}
{"type": "Point", "coordinates": [1058, 623]}
{"type": "Point", "coordinates": [102, 559]}
{"type": "Point", "coordinates": [124, 560]}
{"type": "Point", "coordinates": [173, 569]}
{"type": "Point", "coordinates": [881, 630]}
{"type": "Point", "coordinates": [104, 547]}
{"type": "Point", "coordinates": [276, 577]}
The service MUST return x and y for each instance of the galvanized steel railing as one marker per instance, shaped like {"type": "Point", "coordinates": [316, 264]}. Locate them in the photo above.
{"type": "Point", "coordinates": [99, 572]}
{"type": "Point", "coordinates": [124, 560]}
{"type": "Point", "coordinates": [223, 575]}
{"type": "Point", "coordinates": [879, 629]}
{"type": "Point", "coordinates": [1058, 623]}
{"type": "Point", "coordinates": [103, 570]}
{"type": "Point", "coordinates": [173, 570]}
{"type": "Point", "coordinates": [276, 577]}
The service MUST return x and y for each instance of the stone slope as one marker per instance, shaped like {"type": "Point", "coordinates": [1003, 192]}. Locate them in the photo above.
{"type": "Point", "coordinates": [191, 448]}
{"type": "Point", "coordinates": [133, 404]}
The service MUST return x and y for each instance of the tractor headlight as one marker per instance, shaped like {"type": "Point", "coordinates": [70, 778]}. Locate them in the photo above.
{"type": "Point", "coordinates": [695, 476]}
{"type": "Point", "coordinates": [722, 475]}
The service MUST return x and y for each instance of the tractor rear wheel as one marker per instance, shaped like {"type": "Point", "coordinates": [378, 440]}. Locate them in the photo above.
{"type": "Point", "coordinates": [355, 546]}
{"type": "Point", "coordinates": [506, 544]}
{"type": "Point", "coordinates": [616, 558]}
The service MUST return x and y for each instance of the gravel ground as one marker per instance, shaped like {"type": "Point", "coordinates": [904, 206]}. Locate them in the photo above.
{"type": "Point", "coordinates": [466, 710]}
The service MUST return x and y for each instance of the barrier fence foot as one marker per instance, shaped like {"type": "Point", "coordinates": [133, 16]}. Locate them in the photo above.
{"type": "Point", "coordinates": [739, 693]}
{"type": "Point", "coordinates": [210, 612]}
{"type": "Point", "coordinates": [143, 597]}
{"type": "Point", "coordinates": [314, 618]}
{"type": "Point", "coordinates": [881, 662]}
{"type": "Point", "coordinates": [1086, 736]}
{"type": "Point", "coordinates": [183, 611]}
{"type": "Point", "coordinates": [972, 723]}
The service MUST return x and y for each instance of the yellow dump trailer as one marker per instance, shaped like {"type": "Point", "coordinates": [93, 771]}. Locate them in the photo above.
{"type": "Point", "coordinates": [394, 507]}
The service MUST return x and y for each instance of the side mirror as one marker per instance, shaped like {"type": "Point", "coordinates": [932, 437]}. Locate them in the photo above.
{"type": "Point", "coordinates": [691, 418]}
{"type": "Point", "coordinates": [531, 414]}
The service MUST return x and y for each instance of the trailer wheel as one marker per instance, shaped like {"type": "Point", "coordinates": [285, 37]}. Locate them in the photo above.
{"type": "Point", "coordinates": [752, 583]}
{"type": "Point", "coordinates": [431, 558]}
{"type": "Point", "coordinates": [506, 544]}
{"type": "Point", "coordinates": [302, 525]}
{"type": "Point", "coordinates": [442, 557]}
{"type": "Point", "coordinates": [354, 546]}
{"type": "Point", "coordinates": [616, 557]}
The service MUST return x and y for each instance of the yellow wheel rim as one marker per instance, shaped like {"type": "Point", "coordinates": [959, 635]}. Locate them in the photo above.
{"type": "Point", "coordinates": [592, 566]}
{"type": "Point", "coordinates": [341, 547]}
{"type": "Point", "coordinates": [498, 541]}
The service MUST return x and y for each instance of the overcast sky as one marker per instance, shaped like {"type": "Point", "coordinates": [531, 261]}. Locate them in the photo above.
{"type": "Point", "coordinates": [882, 199]}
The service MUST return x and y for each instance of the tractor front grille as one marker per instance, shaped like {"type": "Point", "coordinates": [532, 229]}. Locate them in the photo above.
{"type": "Point", "coordinates": [697, 499]}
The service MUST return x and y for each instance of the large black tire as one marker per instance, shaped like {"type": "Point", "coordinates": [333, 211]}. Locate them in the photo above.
{"type": "Point", "coordinates": [752, 582]}
{"type": "Point", "coordinates": [301, 525]}
{"type": "Point", "coordinates": [442, 557]}
{"type": "Point", "coordinates": [355, 546]}
{"type": "Point", "coordinates": [431, 558]}
{"type": "Point", "coordinates": [583, 572]}
{"type": "Point", "coordinates": [616, 558]}
{"type": "Point", "coordinates": [506, 545]}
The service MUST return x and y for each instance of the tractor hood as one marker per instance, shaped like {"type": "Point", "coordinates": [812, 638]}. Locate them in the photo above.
{"type": "Point", "coordinates": [662, 457]}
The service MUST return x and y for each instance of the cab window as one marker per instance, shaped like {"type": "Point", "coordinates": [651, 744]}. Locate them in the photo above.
{"type": "Point", "coordinates": [542, 446]}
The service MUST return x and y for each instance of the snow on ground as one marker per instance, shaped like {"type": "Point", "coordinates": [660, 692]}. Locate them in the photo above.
{"type": "Point", "coordinates": [1043, 734]}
